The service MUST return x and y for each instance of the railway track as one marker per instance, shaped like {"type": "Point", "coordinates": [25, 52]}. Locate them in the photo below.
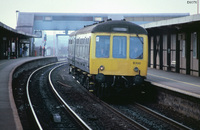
{"type": "Point", "coordinates": [47, 111]}
{"type": "Point", "coordinates": [149, 118]}
{"type": "Point", "coordinates": [124, 117]}
{"type": "Point", "coordinates": [162, 117]}
{"type": "Point", "coordinates": [67, 107]}
{"type": "Point", "coordinates": [145, 117]}
{"type": "Point", "coordinates": [96, 113]}
{"type": "Point", "coordinates": [159, 122]}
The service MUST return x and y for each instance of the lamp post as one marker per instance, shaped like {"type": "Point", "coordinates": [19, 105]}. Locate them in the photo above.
{"type": "Point", "coordinates": [197, 6]}
{"type": "Point", "coordinates": [17, 11]}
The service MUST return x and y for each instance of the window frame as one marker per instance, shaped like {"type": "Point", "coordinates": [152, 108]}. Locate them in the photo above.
{"type": "Point", "coordinates": [140, 40]}
{"type": "Point", "coordinates": [120, 55]}
{"type": "Point", "coordinates": [107, 53]}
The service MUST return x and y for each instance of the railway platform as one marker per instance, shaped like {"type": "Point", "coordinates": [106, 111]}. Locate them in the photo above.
{"type": "Point", "coordinates": [9, 119]}
{"type": "Point", "coordinates": [186, 84]}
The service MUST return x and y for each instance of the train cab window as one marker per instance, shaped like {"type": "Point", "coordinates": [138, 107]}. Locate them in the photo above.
{"type": "Point", "coordinates": [136, 48]}
{"type": "Point", "coordinates": [102, 46]}
{"type": "Point", "coordinates": [119, 46]}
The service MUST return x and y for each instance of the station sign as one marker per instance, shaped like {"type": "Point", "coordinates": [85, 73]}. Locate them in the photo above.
{"type": "Point", "coordinates": [38, 33]}
{"type": "Point", "coordinates": [25, 41]}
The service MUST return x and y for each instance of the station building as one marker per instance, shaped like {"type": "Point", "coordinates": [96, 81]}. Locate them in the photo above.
{"type": "Point", "coordinates": [12, 41]}
{"type": "Point", "coordinates": [174, 45]}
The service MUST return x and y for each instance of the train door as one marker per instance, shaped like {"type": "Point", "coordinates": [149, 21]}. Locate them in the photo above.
{"type": "Point", "coordinates": [194, 62]}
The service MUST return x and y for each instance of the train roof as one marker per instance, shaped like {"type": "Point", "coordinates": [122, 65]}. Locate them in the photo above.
{"type": "Point", "coordinates": [112, 26]}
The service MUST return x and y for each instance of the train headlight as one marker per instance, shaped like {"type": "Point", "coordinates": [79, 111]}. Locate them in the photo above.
{"type": "Point", "coordinates": [101, 68]}
{"type": "Point", "coordinates": [136, 69]}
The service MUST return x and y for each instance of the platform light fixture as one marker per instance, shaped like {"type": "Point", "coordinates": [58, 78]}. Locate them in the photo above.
{"type": "Point", "coordinates": [17, 13]}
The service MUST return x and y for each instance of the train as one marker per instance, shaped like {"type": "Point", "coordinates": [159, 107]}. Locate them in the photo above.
{"type": "Point", "coordinates": [109, 56]}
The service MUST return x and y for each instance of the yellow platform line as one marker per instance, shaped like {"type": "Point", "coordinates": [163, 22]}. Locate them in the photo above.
{"type": "Point", "coordinates": [174, 80]}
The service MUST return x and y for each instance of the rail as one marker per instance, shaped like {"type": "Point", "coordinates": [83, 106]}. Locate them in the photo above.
{"type": "Point", "coordinates": [72, 113]}
{"type": "Point", "coordinates": [162, 117]}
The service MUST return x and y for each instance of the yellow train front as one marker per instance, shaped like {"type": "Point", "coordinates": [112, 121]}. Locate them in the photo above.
{"type": "Point", "coordinates": [109, 56]}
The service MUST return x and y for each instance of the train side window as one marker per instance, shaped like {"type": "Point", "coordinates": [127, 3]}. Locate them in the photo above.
{"type": "Point", "coordinates": [136, 48]}
{"type": "Point", "coordinates": [102, 46]}
{"type": "Point", "coordinates": [119, 46]}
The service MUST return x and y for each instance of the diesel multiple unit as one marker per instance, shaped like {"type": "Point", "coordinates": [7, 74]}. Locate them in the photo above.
{"type": "Point", "coordinates": [111, 54]}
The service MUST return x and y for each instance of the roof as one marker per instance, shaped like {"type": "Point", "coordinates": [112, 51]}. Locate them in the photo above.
{"type": "Point", "coordinates": [5, 27]}
{"type": "Point", "coordinates": [112, 26]}
{"type": "Point", "coordinates": [174, 21]}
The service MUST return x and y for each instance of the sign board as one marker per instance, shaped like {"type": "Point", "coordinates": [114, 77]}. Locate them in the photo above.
{"type": "Point", "coordinates": [25, 41]}
{"type": "Point", "coordinates": [38, 33]}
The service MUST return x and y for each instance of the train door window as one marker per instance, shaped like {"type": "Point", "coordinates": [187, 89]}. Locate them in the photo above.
{"type": "Point", "coordinates": [119, 46]}
{"type": "Point", "coordinates": [81, 51]}
{"type": "Point", "coordinates": [102, 46]}
{"type": "Point", "coordinates": [77, 50]}
{"type": "Point", "coordinates": [84, 47]}
{"type": "Point", "coordinates": [87, 47]}
{"type": "Point", "coordinates": [136, 48]}
{"type": "Point", "coordinates": [70, 46]}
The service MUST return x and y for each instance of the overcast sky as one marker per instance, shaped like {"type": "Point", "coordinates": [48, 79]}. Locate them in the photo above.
{"type": "Point", "coordinates": [8, 7]}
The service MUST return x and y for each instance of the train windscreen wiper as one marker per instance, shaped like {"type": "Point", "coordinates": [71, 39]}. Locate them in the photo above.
{"type": "Point", "coordinates": [139, 39]}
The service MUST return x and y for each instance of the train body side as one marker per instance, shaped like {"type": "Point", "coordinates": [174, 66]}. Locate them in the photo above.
{"type": "Point", "coordinates": [78, 51]}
